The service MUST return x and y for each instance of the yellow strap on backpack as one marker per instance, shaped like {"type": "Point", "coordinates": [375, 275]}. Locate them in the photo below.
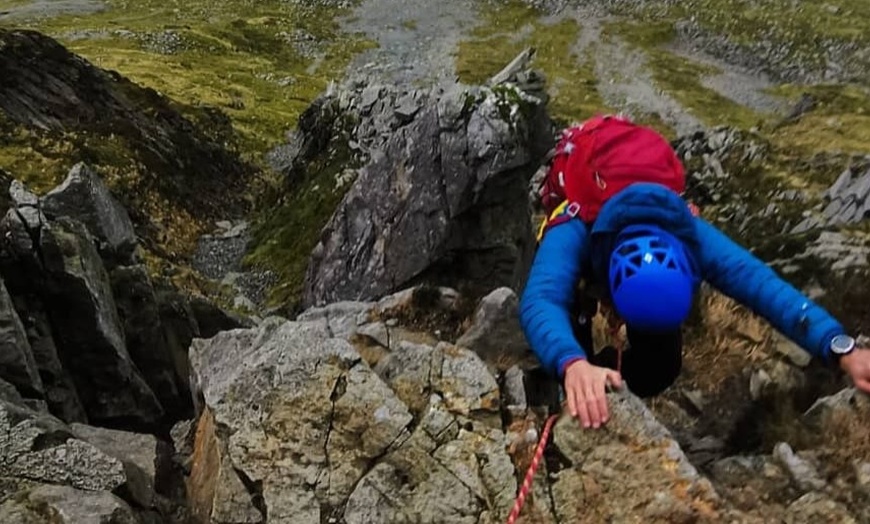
{"type": "Point", "coordinates": [559, 211]}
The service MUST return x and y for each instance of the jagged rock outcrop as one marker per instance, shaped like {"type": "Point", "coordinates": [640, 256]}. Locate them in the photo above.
{"type": "Point", "coordinates": [60, 96]}
{"type": "Point", "coordinates": [55, 473]}
{"type": "Point", "coordinates": [421, 424]}
{"type": "Point", "coordinates": [846, 201]}
{"type": "Point", "coordinates": [84, 197]}
{"type": "Point", "coordinates": [441, 197]}
{"type": "Point", "coordinates": [89, 344]}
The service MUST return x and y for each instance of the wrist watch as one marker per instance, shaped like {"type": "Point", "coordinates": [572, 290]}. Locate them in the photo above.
{"type": "Point", "coordinates": [842, 345]}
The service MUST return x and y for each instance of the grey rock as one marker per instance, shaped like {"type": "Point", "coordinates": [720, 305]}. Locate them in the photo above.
{"type": "Point", "coordinates": [340, 432]}
{"type": "Point", "coordinates": [9, 394]}
{"type": "Point", "coordinates": [87, 329]}
{"type": "Point", "coordinates": [21, 196]}
{"type": "Point", "coordinates": [378, 332]}
{"type": "Point", "coordinates": [342, 319]}
{"type": "Point", "coordinates": [66, 505]}
{"type": "Point", "coordinates": [434, 194]}
{"type": "Point", "coordinates": [849, 403]}
{"type": "Point", "coordinates": [60, 393]}
{"type": "Point", "coordinates": [17, 365]}
{"type": "Point", "coordinates": [514, 390]}
{"type": "Point", "coordinates": [145, 459]}
{"type": "Point", "coordinates": [792, 352]}
{"type": "Point", "coordinates": [495, 333]}
{"type": "Point", "coordinates": [816, 507]}
{"type": "Point", "coordinates": [804, 474]}
{"type": "Point", "coordinates": [342, 414]}
{"type": "Point", "coordinates": [85, 197]}
{"type": "Point", "coordinates": [182, 434]}
{"type": "Point", "coordinates": [32, 218]}
{"type": "Point", "coordinates": [211, 319]}
{"type": "Point", "coordinates": [467, 385]}
{"type": "Point", "coordinates": [40, 448]}
{"type": "Point", "coordinates": [145, 338]}
{"type": "Point", "coordinates": [409, 370]}
{"type": "Point", "coordinates": [16, 237]}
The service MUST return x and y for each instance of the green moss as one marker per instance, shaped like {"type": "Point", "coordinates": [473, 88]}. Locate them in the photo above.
{"type": "Point", "coordinates": [839, 123]}
{"type": "Point", "coordinates": [285, 236]}
{"type": "Point", "coordinates": [510, 27]}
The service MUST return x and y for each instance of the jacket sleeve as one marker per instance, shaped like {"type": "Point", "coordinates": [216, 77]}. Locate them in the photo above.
{"type": "Point", "coordinates": [736, 272]}
{"type": "Point", "coordinates": [547, 299]}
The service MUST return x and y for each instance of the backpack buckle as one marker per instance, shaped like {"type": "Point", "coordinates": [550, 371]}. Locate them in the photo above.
{"type": "Point", "coordinates": [573, 209]}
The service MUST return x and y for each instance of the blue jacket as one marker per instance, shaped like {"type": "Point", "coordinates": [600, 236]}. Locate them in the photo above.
{"type": "Point", "coordinates": [571, 249]}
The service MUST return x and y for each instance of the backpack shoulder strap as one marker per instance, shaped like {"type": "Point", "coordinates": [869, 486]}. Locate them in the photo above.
{"type": "Point", "coordinates": [563, 213]}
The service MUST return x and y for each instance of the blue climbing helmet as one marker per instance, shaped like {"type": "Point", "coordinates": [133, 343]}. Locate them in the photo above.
{"type": "Point", "coordinates": [652, 278]}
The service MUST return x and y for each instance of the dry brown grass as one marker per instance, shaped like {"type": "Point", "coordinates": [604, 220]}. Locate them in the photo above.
{"type": "Point", "coordinates": [727, 338]}
{"type": "Point", "coordinates": [845, 440]}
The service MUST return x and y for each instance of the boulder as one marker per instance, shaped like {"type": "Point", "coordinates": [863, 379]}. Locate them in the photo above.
{"type": "Point", "coordinates": [442, 198]}
{"type": "Point", "coordinates": [495, 333]}
{"type": "Point", "coordinates": [629, 470]}
{"type": "Point", "coordinates": [85, 197]}
{"type": "Point", "coordinates": [66, 505]}
{"type": "Point", "coordinates": [88, 332]}
{"type": "Point", "coordinates": [39, 448]}
{"type": "Point", "coordinates": [298, 427]}
{"type": "Point", "coordinates": [146, 460]}
{"type": "Point", "coordinates": [17, 365]}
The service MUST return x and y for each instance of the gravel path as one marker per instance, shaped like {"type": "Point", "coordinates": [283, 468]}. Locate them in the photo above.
{"type": "Point", "coordinates": [417, 39]}
{"type": "Point", "coordinates": [624, 80]}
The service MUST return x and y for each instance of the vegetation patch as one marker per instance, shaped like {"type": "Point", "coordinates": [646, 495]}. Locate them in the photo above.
{"type": "Point", "coordinates": [297, 212]}
{"type": "Point", "coordinates": [508, 28]}
{"type": "Point", "coordinates": [262, 63]}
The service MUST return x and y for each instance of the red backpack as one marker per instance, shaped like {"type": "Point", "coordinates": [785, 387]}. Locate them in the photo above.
{"type": "Point", "coordinates": [602, 156]}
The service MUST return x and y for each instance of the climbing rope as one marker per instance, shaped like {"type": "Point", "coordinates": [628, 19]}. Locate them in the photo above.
{"type": "Point", "coordinates": [533, 468]}
{"type": "Point", "coordinates": [542, 444]}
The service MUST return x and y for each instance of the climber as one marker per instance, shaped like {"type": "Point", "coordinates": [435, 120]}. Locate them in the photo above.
{"type": "Point", "coordinates": [625, 235]}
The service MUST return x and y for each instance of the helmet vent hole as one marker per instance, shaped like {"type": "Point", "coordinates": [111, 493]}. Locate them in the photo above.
{"type": "Point", "coordinates": [628, 249]}
{"type": "Point", "coordinates": [635, 259]}
{"type": "Point", "coordinates": [660, 257]}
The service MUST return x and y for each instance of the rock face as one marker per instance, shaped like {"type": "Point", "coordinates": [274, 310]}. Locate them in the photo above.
{"type": "Point", "coordinates": [91, 345]}
{"type": "Point", "coordinates": [88, 331]}
{"type": "Point", "coordinates": [422, 426]}
{"type": "Point", "coordinates": [442, 197]}
{"type": "Point", "coordinates": [84, 197]}
{"type": "Point", "coordinates": [17, 364]}
{"type": "Point", "coordinates": [846, 200]}
{"type": "Point", "coordinates": [632, 469]}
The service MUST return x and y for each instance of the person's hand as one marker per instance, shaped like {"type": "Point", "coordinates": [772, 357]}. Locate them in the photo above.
{"type": "Point", "coordinates": [857, 365]}
{"type": "Point", "coordinates": [585, 387]}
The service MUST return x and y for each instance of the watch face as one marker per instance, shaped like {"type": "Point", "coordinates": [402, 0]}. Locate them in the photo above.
{"type": "Point", "coordinates": [842, 344]}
